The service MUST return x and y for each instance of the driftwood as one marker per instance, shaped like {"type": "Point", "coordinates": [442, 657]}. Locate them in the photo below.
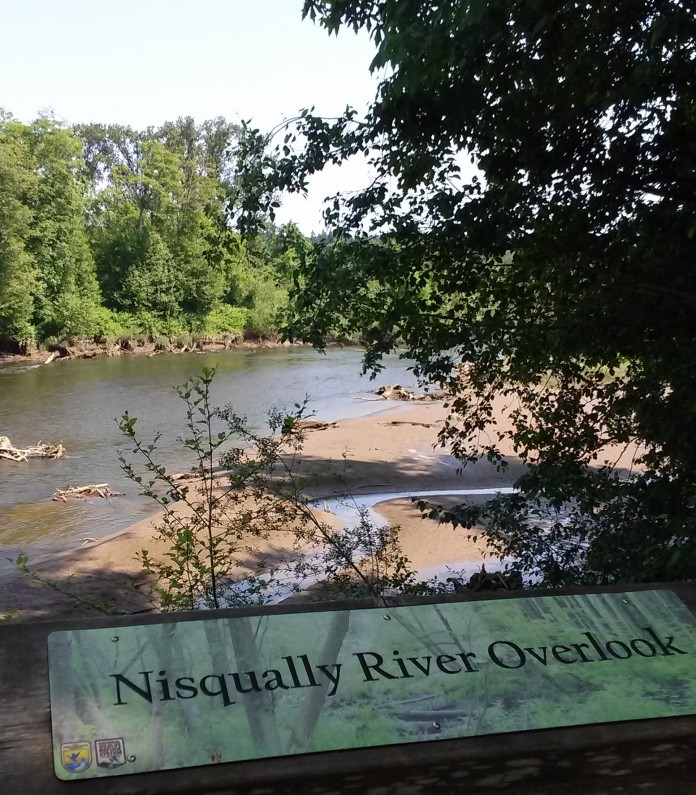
{"type": "Point", "coordinates": [315, 425]}
{"type": "Point", "coordinates": [407, 422]}
{"type": "Point", "coordinates": [186, 476]}
{"type": "Point", "coordinates": [398, 392]}
{"type": "Point", "coordinates": [39, 450]}
{"type": "Point", "coordinates": [83, 492]}
{"type": "Point", "coordinates": [197, 473]}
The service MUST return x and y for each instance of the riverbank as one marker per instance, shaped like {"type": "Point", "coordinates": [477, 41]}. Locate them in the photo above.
{"type": "Point", "coordinates": [143, 345]}
{"type": "Point", "coordinates": [384, 453]}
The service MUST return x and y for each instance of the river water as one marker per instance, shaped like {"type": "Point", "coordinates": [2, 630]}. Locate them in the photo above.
{"type": "Point", "coordinates": [77, 402]}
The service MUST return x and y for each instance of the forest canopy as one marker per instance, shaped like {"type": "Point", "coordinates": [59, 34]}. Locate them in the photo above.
{"type": "Point", "coordinates": [531, 216]}
{"type": "Point", "coordinates": [109, 232]}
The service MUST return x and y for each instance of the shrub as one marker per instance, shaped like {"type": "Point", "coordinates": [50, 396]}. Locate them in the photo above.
{"type": "Point", "coordinates": [182, 341]}
{"type": "Point", "coordinates": [212, 522]}
{"type": "Point", "coordinates": [267, 302]}
{"type": "Point", "coordinates": [226, 319]}
{"type": "Point", "coordinates": [72, 315]}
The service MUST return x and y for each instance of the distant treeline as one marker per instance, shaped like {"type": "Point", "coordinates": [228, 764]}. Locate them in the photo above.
{"type": "Point", "coordinates": [107, 232]}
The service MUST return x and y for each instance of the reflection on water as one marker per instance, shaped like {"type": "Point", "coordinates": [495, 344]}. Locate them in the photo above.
{"type": "Point", "coordinates": [348, 508]}
{"type": "Point", "coordinates": [77, 402]}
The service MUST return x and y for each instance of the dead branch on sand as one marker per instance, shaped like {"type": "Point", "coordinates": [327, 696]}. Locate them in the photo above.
{"type": "Point", "coordinates": [408, 422]}
{"type": "Point", "coordinates": [315, 425]}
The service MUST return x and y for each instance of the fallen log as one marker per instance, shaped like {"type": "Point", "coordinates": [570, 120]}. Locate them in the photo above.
{"type": "Point", "coordinates": [315, 425]}
{"type": "Point", "coordinates": [408, 422]}
{"type": "Point", "coordinates": [84, 492]}
{"type": "Point", "coordinates": [40, 450]}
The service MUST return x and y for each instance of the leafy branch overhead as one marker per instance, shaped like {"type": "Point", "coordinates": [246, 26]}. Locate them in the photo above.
{"type": "Point", "coordinates": [532, 216]}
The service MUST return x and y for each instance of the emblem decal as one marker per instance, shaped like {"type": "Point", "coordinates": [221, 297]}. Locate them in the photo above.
{"type": "Point", "coordinates": [76, 757]}
{"type": "Point", "coordinates": [110, 753]}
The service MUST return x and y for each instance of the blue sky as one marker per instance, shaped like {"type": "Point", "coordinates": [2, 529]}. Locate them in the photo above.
{"type": "Point", "coordinates": [141, 62]}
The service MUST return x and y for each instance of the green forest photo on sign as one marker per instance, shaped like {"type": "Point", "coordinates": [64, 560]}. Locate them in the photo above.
{"type": "Point", "coordinates": [182, 694]}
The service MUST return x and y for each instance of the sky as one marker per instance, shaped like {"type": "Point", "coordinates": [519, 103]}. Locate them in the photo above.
{"type": "Point", "coordinates": [142, 62]}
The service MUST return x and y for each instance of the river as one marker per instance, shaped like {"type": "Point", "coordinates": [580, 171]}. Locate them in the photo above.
{"type": "Point", "coordinates": [77, 402]}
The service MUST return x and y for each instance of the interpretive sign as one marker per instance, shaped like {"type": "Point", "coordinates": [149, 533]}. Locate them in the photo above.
{"type": "Point", "coordinates": [181, 694]}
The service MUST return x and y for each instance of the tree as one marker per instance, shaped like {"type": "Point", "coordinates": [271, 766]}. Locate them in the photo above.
{"type": "Point", "coordinates": [67, 294]}
{"type": "Point", "coordinates": [167, 184]}
{"type": "Point", "coordinates": [272, 255]}
{"type": "Point", "coordinates": [532, 214]}
{"type": "Point", "coordinates": [48, 283]}
{"type": "Point", "coordinates": [152, 283]}
{"type": "Point", "coordinates": [17, 268]}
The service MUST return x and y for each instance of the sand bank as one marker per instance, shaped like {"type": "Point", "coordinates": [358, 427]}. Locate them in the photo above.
{"type": "Point", "coordinates": [394, 450]}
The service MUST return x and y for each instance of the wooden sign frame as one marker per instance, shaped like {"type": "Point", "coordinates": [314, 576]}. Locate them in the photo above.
{"type": "Point", "coordinates": [606, 757]}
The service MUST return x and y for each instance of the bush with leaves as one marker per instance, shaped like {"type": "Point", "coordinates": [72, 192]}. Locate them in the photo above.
{"type": "Point", "coordinates": [244, 489]}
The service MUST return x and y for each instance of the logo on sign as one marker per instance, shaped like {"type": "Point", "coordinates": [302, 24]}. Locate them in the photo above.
{"type": "Point", "coordinates": [76, 757]}
{"type": "Point", "coordinates": [110, 753]}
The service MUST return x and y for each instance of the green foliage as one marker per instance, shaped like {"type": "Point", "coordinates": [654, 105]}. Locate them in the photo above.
{"type": "Point", "coordinates": [110, 325]}
{"type": "Point", "coordinates": [74, 315]}
{"type": "Point", "coordinates": [225, 319]}
{"type": "Point", "coordinates": [17, 267]}
{"type": "Point", "coordinates": [151, 284]}
{"type": "Point", "coordinates": [67, 293]}
{"type": "Point", "coordinates": [47, 277]}
{"type": "Point", "coordinates": [267, 300]}
{"type": "Point", "coordinates": [262, 280]}
{"type": "Point", "coordinates": [104, 218]}
{"type": "Point", "coordinates": [161, 343]}
{"type": "Point", "coordinates": [557, 267]}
